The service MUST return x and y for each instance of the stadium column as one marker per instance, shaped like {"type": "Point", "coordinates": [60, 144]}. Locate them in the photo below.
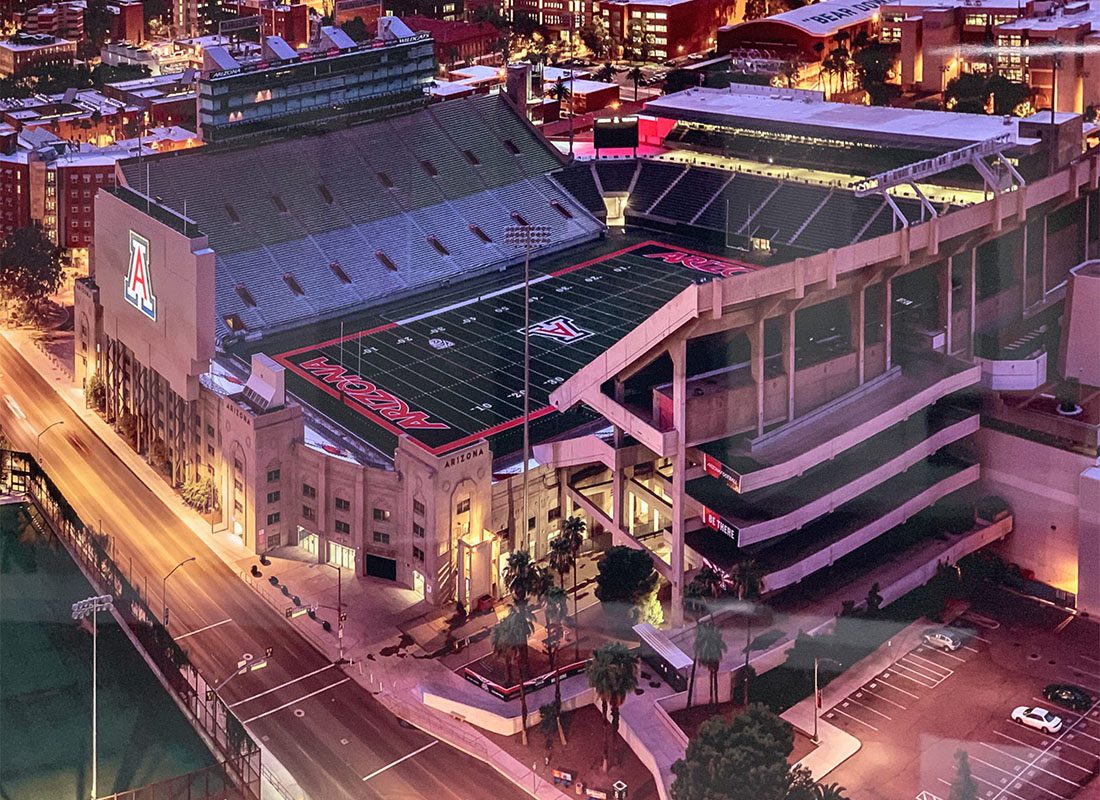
{"type": "Point", "coordinates": [756, 342]}
{"type": "Point", "coordinates": [857, 317]}
{"type": "Point", "coordinates": [888, 317]}
{"type": "Point", "coordinates": [617, 472]}
{"type": "Point", "coordinates": [945, 303]}
{"type": "Point", "coordinates": [973, 300]}
{"type": "Point", "coordinates": [788, 361]}
{"type": "Point", "coordinates": [678, 351]}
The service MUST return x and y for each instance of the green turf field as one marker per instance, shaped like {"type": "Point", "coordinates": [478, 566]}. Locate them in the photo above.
{"type": "Point", "coordinates": [45, 685]}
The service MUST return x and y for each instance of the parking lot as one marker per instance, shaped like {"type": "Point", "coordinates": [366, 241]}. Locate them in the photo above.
{"type": "Point", "coordinates": [913, 716]}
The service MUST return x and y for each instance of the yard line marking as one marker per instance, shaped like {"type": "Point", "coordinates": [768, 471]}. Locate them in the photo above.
{"type": "Point", "coordinates": [885, 699]}
{"type": "Point", "coordinates": [1019, 776]}
{"type": "Point", "coordinates": [857, 719]}
{"type": "Point", "coordinates": [200, 630]}
{"type": "Point", "coordinates": [1036, 766]}
{"type": "Point", "coordinates": [896, 688]}
{"type": "Point", "coordinates": [295, 702]}
{"type": "Point", "coordinates": [949, 672]}
{"type": "Point", "coordinates": [873, 711]}
{"type": "Point", "coordinates": [1036, 747]}
{"type": "Point", "coordinates": [380, 770]}
{"type": "Point", "coordinates": [281, 685]}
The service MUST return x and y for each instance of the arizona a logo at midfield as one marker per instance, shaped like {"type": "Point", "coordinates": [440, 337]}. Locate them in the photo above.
{"type": "Point", "coordinates": [139, 286]}
{"type": "Point", "coordinates": [561, 329]}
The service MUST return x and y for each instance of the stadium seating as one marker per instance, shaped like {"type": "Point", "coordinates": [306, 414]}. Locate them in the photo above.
{"type": "Point", "coordinates": [690, 194]}
{"type": "Point", "coordinates": [654, 179]}
{"type": "Point", "coordinates": [616, 176]}
{"type": "Point", "coordinates": [392, 204]}
{"type": "Point", "coordinates": [580, 181]}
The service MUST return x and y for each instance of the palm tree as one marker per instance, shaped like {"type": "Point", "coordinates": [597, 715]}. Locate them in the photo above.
{"type": "Point", "coordinates": [606, 73]}
{"type": "Point", "coordinates": [635, 75]}
{"type": "Point", "coordinates": [557, 612]}
{"type": "Point", "coordinates": [830, 791]}
{"type": "Point", "coordinates": [572, 530]}
{"type": "Point", "coordinates": [748, 579]}
{"type": "Point", "coordinates": [561, 558]}
{"type": "Point", "coordinates": [709, 649]}
{"type": "Point", "coordinates": [521, 576]}
{"type": "Point", "coordinates": [612, 672]}
{"type": "Point", "coordinates": [509, 640]}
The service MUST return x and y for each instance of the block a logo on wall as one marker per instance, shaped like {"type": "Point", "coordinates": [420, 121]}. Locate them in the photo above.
{"type": "Point", "coordinates": [139, 283]}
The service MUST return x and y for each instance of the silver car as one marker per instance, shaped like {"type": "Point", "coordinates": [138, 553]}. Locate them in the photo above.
{"type": "Point", "coordinates": [942, 639]}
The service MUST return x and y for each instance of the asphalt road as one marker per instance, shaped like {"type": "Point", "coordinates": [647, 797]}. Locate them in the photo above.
{"type": "Point", "coordinates": [329, 732]}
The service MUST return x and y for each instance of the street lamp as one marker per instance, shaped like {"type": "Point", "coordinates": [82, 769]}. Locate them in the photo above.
{"type": "Point", "coordinates": [246, 664]}
{"type": "Point", "coordinates": [528, 237]}
{"type": "Point", "coordinates": [340, 615]}
{"type": "Point", "coordinates": [38, 439]}
{"type": "Point", "coordinates": [817, 693]}
{"type": "Point", "coordinates": [91, 607]}
{"type": "Point", "coordinates": [164, 587]}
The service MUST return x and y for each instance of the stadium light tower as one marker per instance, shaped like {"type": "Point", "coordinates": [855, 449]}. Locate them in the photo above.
{"type": "Point", "coordinates": [85, 608]}
{"type": "Point", "coordinates": [528, 237]}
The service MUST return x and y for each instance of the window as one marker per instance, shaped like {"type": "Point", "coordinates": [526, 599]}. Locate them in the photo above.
{"type": "Point", "coordinates": [553, 514]}
{"type": "Point", "coordinates": [381, 515]}
{"type": "Point", "coordinates": [530, 523]}
{"type": "Point", "coordinates": [418, 531]}
{"type": "Point", "coordinates": [273, 497]}
{"type": "Point", "coordinates": [237, 506]}
{"type": "Point", "coordinates": [273, 518]}
{"type": "Point", "coordinates": [308, 491]}
{"type": "Point", "coordinates": [308, 513]}
{"type": "Point", "coordinates": [418, 554]}
{"type": "Point", "coordinates": [381, 538]}
{"type": "Point", "coordinates": [210, 432]}
{"type": "Point", "coordinates": [198, 440]}
{"type": "Point", "coordinates": [463, 506]}
{"type": "Point", "coordinates": [341, 526]}
{"type": "Point", "coordinates": [236, 462]}
{"type": "Point", "coordinates": [209, 449]}
{"type": "Point", "coordinates": [342, 504]}
{"type": "Point", "coordinates": [237, 485]}
{"type": "Point", "coordinates": [272, 475]}
{"type": "Point", "coordinates": [418, 508]}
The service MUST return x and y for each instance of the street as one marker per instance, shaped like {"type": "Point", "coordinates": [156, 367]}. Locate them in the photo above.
{"type": "Point", "coordinates": [330, 733]}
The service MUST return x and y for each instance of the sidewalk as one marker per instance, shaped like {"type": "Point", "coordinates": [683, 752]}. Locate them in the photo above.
{"type": "Point", "coordinates": [395, 678]}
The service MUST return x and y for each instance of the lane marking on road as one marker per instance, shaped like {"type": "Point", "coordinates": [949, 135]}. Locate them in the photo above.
{"type": "Point", "coordinates": [380, 770]}
{"type": "Point", "coordinates": [884, 682]}
{"type": "Point", "coordinates": [872, 710]}
{"type": "Point", "coordinates": [947, 671]}
{"type": "Point", "coordinates": [200, 630]}
{"type": "Point", "coordinates": [885, 699]}
{"type": "Point", "coordinates": [857, 719]}
{"type": "Point", "coordinates": [1019, 776]}
{"type": "Point", "coordinates": [1022, 761]}
{"type": "Point", "coordinates": [294, 702]}
{"type": "Point", "coordinates": [281, 685]}
{"type": "Point", "coordinates": [1036, 747]}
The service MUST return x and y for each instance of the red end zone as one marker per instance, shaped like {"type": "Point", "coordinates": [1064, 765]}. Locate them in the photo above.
{"type": "Point", "coordinates": [396, 415]}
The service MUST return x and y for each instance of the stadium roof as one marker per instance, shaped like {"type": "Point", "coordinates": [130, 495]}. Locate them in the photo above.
{"type": "Point", "coordinates": [827, 17]}
{"type": "Point", "coordinates": [901, 127]}
{"type": "Point", "coordinates": [449, 373]}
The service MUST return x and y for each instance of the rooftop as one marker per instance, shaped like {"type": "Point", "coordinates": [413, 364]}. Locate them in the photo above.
{"type": "Point", "coordinates": [33, 41]}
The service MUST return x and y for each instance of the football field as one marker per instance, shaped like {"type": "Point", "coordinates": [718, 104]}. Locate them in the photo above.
{"type": "Point", "coordinates": [450, 375]}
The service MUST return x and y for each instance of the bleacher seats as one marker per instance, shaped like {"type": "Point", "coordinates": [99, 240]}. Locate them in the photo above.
{"type": "Point", "coordinates": [411, 187]}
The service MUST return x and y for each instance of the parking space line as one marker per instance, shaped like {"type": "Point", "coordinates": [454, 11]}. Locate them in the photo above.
{"type": "Point", "coordinates": [1084, 733]}
{"type": "Point", "coordinates": [968, 647]}
{"type": "Point", "coordinates": [949, 671]}
{"type": "Point", "coordinates": [295, 702]}
{"type": "Point", "coordinates": [873, 711]}
{"type": "Point", "coordinates": [885, 699]}
{"type": "Point", "coordinates": [1036, 747]}
{"type": "Point", "coordinates": [1090, 658]}
{"type": "Point", "coordinates": [1036, 766]}
{"type": "Point", "coordinates": [857, 719]}
{"type": "Point", "coordinates": [952, 656]}
{"type": "Point", "coordinates": [884, 682]}
{"type": "Point", "coordinates": [1018, 776]}
{"type": "Point", "coordinates": [1086, 672]}
{"type": "Point", "coordinates": [281, 685]}
{"type": "Point", "coordinates": [1059, 738]}
{"type": "Point", "coordinates": [898, 665]}
{"type": "Point", "coordinates": [1003, 789]}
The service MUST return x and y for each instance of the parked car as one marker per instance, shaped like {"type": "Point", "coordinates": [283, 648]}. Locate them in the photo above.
{"type": "Point", "coordinates": [1068, 695]}
{"type": "Point", "coordinates": [943, 639]}
{"type": "Point", "coordinates": [1038, 718]}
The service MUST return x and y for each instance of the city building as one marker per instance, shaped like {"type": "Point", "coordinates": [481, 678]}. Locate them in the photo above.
{"type": "Point", "coordinates": [24, 50]}
{"type": "Point", "coordinates": [244, 95]}
{"type": "Point", "coordinates": [64, 20]}
{"type": "Point", "coordinates": [165, 100]}
{"type": "Point", "coordinates": [79, 115]}
{"type": "Point", "coordinates": [665, 29]}
{"type": "Point", "coordinates": [288, 21]}
{"type": "Point", "coordinates": [129, 21]}
{"type": "Point", "coordinates": [457, 42]}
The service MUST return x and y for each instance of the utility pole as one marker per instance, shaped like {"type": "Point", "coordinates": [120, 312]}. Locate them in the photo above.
{"type": "Point", "coordinates": [528, 237]}
{"type": "Point", "coordinates": [164, 587]}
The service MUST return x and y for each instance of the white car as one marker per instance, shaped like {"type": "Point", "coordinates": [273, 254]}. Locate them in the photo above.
{"type": "Point", "coordinates": [943, 639]}
{"type": "Point", "coordinates": [1038, 718]}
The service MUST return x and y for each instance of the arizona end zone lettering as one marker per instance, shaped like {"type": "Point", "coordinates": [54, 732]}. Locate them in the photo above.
{"type": "Point", "coordinates": [845, 12]}
{"type": "Point", "coordinates": [371, 396]}
{"type": "Point", "coordinates": [711, 266]}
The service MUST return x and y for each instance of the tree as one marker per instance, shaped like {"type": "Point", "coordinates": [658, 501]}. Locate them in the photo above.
{"type": "Point", "coordinates": [572, 530]}
{"type": "Point", "coordinates": [1008, 95]}
{"type": "Point", "coordinates": [830, 791]}
{"type": "Point", "coordinates": [966, 93]}
{"type": "Point", "coordinates": [635, 75]}
{"type": "Point", "coordinates": [356, 29]}
{"type": "Point", "coordinates": [97, 391]}
{"type": "Point", "coordinates": [740, 759]}
{"type": "Point", "coordinates": [30, 268]}
{"type": "Point", "coordinates": [97, 27]}
{"type": "Point", "coordinates": [709, 649]}
{"type": "Point", "coordinates": [561, 558]}
{"type": "Point", "coordinates": [625, 578]}
{"type": "Point", "coordinates": [874, 68]}
{"type": "Point", "coordinates": [606, 73]}
{"type": "Point", "coordinates": [612, 672]}
{"type": "Point", "coordinates": [521, 576]}
{"type": "Point", "coordinates": [557, 612]}
{"type": "Point", "coordinates": [199, 494]}
{"type": "Point", "coordinates": [963, 787]}
{"type": "Point", "coordinates": [677, 80]}
{"type": "Point", "coordinates": [549, 722]}
{"type": "Point", "coordinates": [509, 641]}
{"type": "Point", "coordinates": [594, 36]}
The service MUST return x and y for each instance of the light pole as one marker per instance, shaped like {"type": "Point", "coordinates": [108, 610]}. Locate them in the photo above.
{"type": "Point", "coordinates": [38, 439]}
{"type": "Point", "coordinates": [164, 587]}
{"type": "Point", "coordinates": [246, 664]}
{"type": "Point", "coordinates": [528, 237]}
{"type": "Point", "coordinates": [91, 607]}
{"type": "Point", "coordinates": [340, 615]}
{"type": "Point", "coordinates": [817, 693]}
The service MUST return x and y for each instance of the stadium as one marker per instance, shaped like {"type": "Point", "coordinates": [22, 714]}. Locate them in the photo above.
{"type": "Point", "coordinates": [329, 326]}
